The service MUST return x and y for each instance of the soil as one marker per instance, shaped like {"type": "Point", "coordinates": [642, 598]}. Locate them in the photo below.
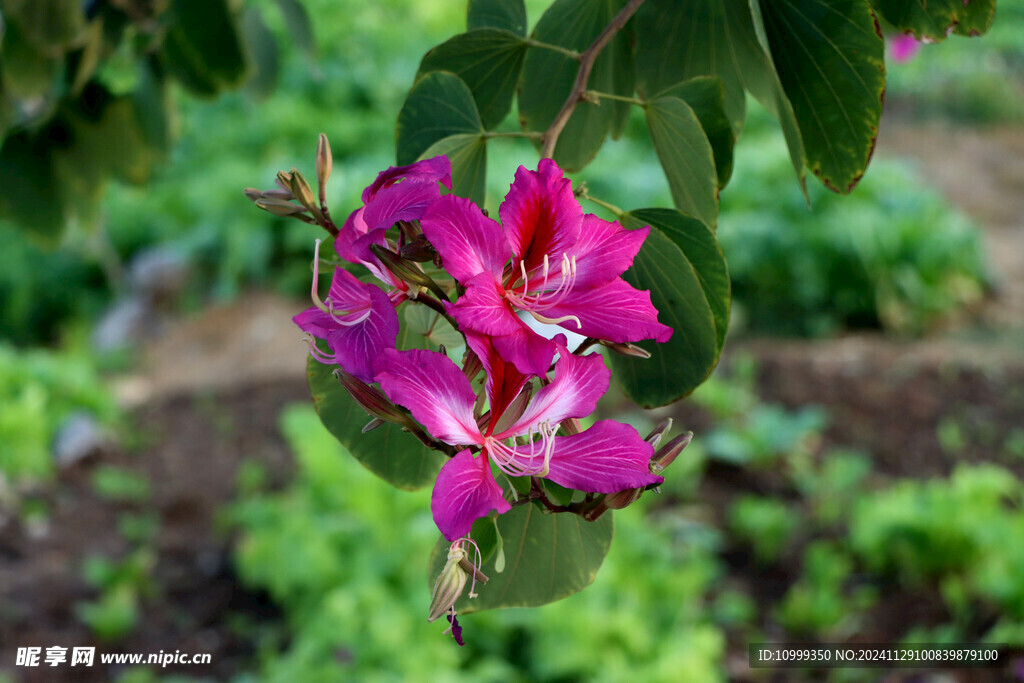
{"type": "Point", "coordinates": [210, 391]}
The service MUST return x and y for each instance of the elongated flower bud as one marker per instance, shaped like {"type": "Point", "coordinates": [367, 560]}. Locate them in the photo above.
{"type": "Point", "coordinates": [405, 270]}
{"type": "Point", "coordinates": [667, 454]}
{"type": "Point", "coordinates": [324, 164]}
{"type": "Point", "coordinates": [371, 399]}
{"type": "Point", "coordinates": [628, 350]}
{"type": "Point", "coordinates": [449, 585]}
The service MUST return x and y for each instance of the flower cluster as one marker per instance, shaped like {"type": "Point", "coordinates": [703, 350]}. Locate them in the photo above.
{"type": "Point", "coordinates": [545, 265]}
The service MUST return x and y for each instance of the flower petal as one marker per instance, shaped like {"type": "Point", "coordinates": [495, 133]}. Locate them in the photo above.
{"type": "Point", "coordinates": [464, 492]}
{"type": "Point", "coordinates": [579, 382]}
{"type": "Point", "coordinates": [615, 312]}
{"type": "Point", "coordinates": [607, 458]}
{"type": "Point", "coordinates": [483, 309]}
{"type": "Point", "coordinates": [436, 170]}
{"type": "Point", "coordinates": [468, 241]}
{"type": "Point", "coordinates": [529, 352]}
{"type": "Point", "coordinates": [406, 201]}
{"type": "Point", "coordinates": [605, 250]}
{"type": "Point", "coordinates": [372, 328]}
{"type": "Point", "coordinates": [504, 381]}
{"type": "Point", "coordinates": [434, 389]}
{"type": "Point", "coordinates": [540, 214]}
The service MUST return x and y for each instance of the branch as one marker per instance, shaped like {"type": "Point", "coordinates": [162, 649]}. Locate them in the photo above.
{"type": "Point", "coordinates": [586, 66]}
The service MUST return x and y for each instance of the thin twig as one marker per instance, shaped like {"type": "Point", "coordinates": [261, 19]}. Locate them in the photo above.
{"type": "Point", "coordinates": [586, 66]}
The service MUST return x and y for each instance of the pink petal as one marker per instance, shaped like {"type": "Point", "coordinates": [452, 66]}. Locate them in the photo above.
{"type": "Point", "coordinates": [431, 386]}
{"type": "Point", "coordinates": [435, 170]}
{"type": "Point", "coordinates": [605, 250]}
{"type": "Point", "coordinates": [483, 309]}
{"type": "Point", "coordinates": [529, 352]}
{"type": "Point", "coordinates": [504, 381]}
{"type": "Point", "coordinates": [615, 312]}
{"type": "Point", "coordinates": [541, 215]}
{"type": "Point", "coordinates": [468, 241]}
{"type": "Point", "coordinates": [464, 492]}
{"type": "Point", "coordinates": [406, 201]}
{"type": "Point", "coordinates": [355, 346]}
{"type": "Point", "coordinates": [579, 382]}
{"type": "Point", "coordinates": [903, 47]}
{"type": "Point", "coordinates": [607, 458]}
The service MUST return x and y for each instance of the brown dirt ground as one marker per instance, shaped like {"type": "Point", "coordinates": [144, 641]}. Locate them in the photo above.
{"type": "Point", "coordinates": [210, 391]}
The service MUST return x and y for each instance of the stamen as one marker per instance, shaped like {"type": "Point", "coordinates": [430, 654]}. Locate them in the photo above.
{"type": "Point", "coordinates": [314, 350]}
{"type": "Point", "coordinates": [328, 307]}
{"type": "Point", "coordinates": [555, 321]}
{"type": "Point", "coordinates": [541, 298]}
{"type": "Point", "coordinates": [511, 462]}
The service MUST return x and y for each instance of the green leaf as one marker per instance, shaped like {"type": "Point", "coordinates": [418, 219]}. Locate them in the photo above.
{"type": "Point", "coordinates": [438, 105]}
{"type": "Point", "coordinates": [203, 47]}
{"type": "Point", "coordinates": [701, 249]}
{"type": "Point", "coordinates": [52, 26]}
{"type": "Point", "coordinates": [300, 29]}
{"type": "Point", "coordinates": [27, 72]}
{"type": "Point", "coordinates": [153, 108]}
{"type": "Point", "coordinates": [548, 77]}
{"type": "Point", "coordinates": [31, 195]}
{"type": "Point", "coordinates": [434, 329]}
{"type": "Point", "coordinates": [934, 18]}
{"type": "Point", "coordinates": [680, 365]}
{"type": "Point", "coordinates": [391, 454]}
{"type": "Point", "coordinates": [686, 157]}
{"type": "Point", "coordinates": [706, 97]}
{"type": "Point", "coordinates": [261, 47]}
{"type": "Point", "coordinates": [829, 58]}
{"type": "Point", "coordinates": [488, 60]}
{"type": "Point", "coordinates": [468, 155]}
{"type": "Point", "coordinates": [506, 14]}
{"type": "Point", "coordinates": [547, 557]}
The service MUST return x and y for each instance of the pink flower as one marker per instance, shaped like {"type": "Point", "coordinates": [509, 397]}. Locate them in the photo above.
{"type": "Point", "coordinates": [356, 320]}
{"type": "Point", "coordinates": [401, 193]}
{"type": "Point", "coordinates": [607, 458]}
{"type": "Point", "coordinates": [903, 47]}
{"type": "Point", "coordinates": [545, 258]}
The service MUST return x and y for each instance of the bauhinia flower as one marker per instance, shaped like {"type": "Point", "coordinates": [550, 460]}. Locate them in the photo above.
{"type": "Point", "coordinates": [517, 436]}
{"type": "Point", "coordinates": [401, 193]}
{"type": "Point", "coordinates": [356, 320]}
{"type": "Point", "coordinates": [545, 258]}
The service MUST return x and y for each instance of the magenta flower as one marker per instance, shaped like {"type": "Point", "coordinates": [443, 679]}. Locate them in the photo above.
{"type": "Point", "coordinates": [357, 321]}
{"type": "Point", "coordinates": [400, 193]}
{"type": "Point", "coordinates": [565, 268]}
{"type": "Point", "coordinates": [903, 47]}
{"type": "Point", "coordinates": [607, 458]}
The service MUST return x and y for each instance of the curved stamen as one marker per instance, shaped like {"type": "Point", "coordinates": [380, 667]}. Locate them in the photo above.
{"type": "Point", "coordinates": [477, 560]}
{"type": "Point", "coordinates": [542, 299]}
{"type": "Point", "coordinates": [515, 464]}
{"type": "Point", "coordinates": [328, 307]}
{"type": "Point", "coordinates": [314, 350]}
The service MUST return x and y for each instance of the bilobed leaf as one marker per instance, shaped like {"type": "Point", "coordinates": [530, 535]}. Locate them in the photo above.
{"type": "Point", "coordinates": [547, 557]}
{"type": "Point", "coordinates": [701, 249]}
{"type": "Point", "coordinates": [678, 366]}
{"type": "Point", "coordinates": [548, 77]}
{"type": "Point", "coordinates": [706, 97]}
{"type": "Point", "coordinates": [391, 454]}
{"type": "Point", "coordinates": [505, 14]}
{"type": "Point", "coordinates": [686, 157]}
{"type": "Point", "coordinates": [488, 60]}
{"type": "Point", "coordinates": [467, 153]}
{"type": "Point", "coordinates": [438, 105]}
{"type": "Point", "coordinates": [434, 330]}
{"type": "Point", "coordinates": [934, 18]}
{"type": "Point", "coordinates": [829, 58]}
{"type": "Point", "coordinates": [300, 29]}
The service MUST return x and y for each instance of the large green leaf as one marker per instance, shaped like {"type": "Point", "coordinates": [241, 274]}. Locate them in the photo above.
{"type": "Point", "coordinates": [52, 26]}
{"type": "Point", "coordinates": [548, 77]}
{"type": "Point", "coordinates": [829, 58]}
{"type": "Point", "coordinates": [686, 157]}
{"type": "Point", "coordinates": [439, 105]}
{"type": "Point", "coordinates": [507, 14]}
{"type": "Point", "coordinates": [391, 454]}
{"type": "Point", "coordinates": [203, 48]}
{"type": "Point", "coordinates": [468, 155]}
{"type": "Point", "coordinates": [547, 557]}
{"type": "Point", "coordinates": [701, 249]}
{"type": "Point", "coordinates": [934, 18]}
{"type": "Point", "coordinates": [682, 39]}
{"type": "Point", "coordinates": [488, 60]}
{"type": "Point", "coordinates": [678, 366]}
{"type": "Point", "coordinates": [706, 97]}
{"type": "Point", "coordinates": [27, 72]}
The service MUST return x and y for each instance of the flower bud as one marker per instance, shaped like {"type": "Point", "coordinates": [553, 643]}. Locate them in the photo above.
{"type": "Point", "coordinates": [628, 350]}
{"type": "Point", "coordinates": [303, 193]}
{"type": "Point", "coordinates": [371, 399]}
{"type": "Point", "coordinates": [279, 207]}
{"type": "Point", "coordinates": [405, 270]}
{"type": "Point", "coordinates": [667, 454]}
{"type": "Point", "coordinates": [324, 164]}
{"type": "Point", "coordinates": [654, 438]}
{"type": "Point", "coordinates": [449, 585]}
{"type": "Point", "coordinates": [418, 250]}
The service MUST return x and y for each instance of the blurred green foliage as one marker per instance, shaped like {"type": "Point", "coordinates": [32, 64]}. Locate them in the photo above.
{"type": "Point", "coordinates": [39, 390]}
